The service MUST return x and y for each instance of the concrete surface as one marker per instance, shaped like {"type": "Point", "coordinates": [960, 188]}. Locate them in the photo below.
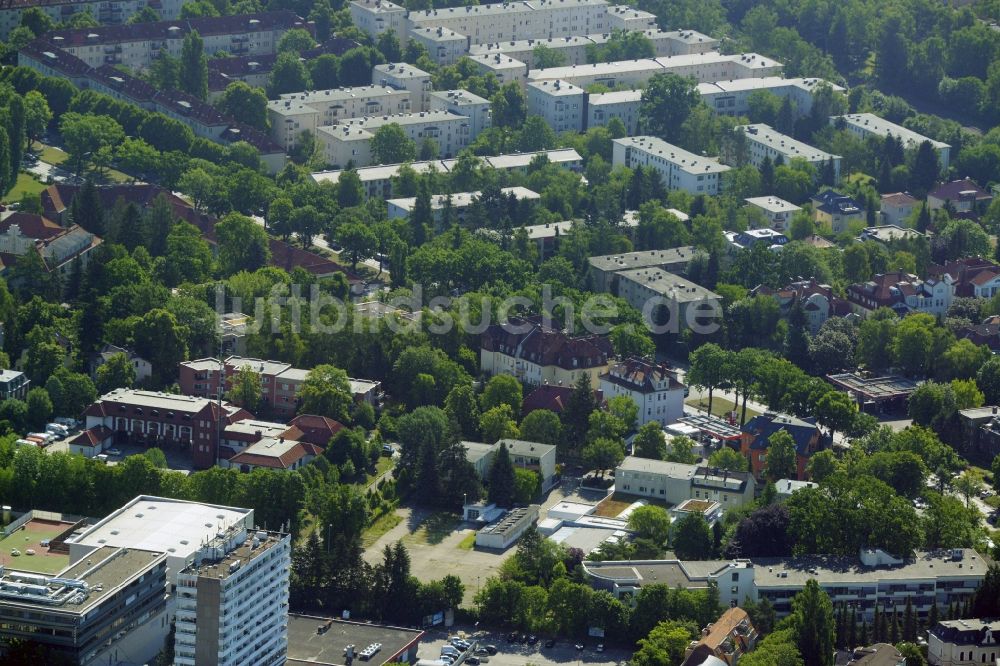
{"type": "Point", "coordinates": [518, 654]}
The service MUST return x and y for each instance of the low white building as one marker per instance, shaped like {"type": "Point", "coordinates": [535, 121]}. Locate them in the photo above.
{"type": "Point", "coordinates": [463, 103]}
{"type": "Point", "coordinates": [506, 531]}
{"type": "Point", "coordinates": [561, 104]}
{"type": "Point", "coordinates": [653, 387]}
{"type": "Point", "coordinates": [764, 142]}
{"type": "Point", "coordinates": [460, 202]}
{"type": "Point", "coordinates": [732, 97]}
{"type": "Point", "coordinates": [403, 76]}
{"type": "Point", "coordinates": [675, 483]}
{"type": "Point", "coordinates": [971, 642]}
{"type": "Point", "coordinates": [777, 211]}
{"type": "Point", "coordinates": [897, 208]}
{"type": "Point", "coordinates": [868, 124]}
{"type": "Point", "coordinates": [506, 69]}
{"type": "Point", "coordinates": [350, 141]}
{"type": "Point", "coordinates": [294, 113]}
{"type": "Point", "coordinates": [678, 169]}
{"type": "Point", "coordinates": [784, 488]}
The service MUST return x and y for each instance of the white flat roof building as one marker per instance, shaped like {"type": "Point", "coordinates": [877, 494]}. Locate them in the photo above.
{"type": "Point", "coordinates": [777, 211]}
{"type": "Point", "coordinates": [295, 113]}
{"type": "Point", "coordinates": [463, 103]}
{"type": "Point", "coordinates": [703, 67]}
{"type": "Point", "coordinates": [506, 69]}
{"type": "Point", "coordinates": [460, 202]}
{"type": "Point", "coordinates": [623, 17]}
{"type": "Point", "coordinates": [377, 180]}
{"type": "Point", "coordinates": [444, 46]}
{"type": "Point", "coordinates": [175, 527]}
{"type": "Point", "coordinates": [678, 169]}
{"type": "Point", "coordinates": [621, 104]}
{"type": "Point", "coordinates": [644, 286]}
{"type": "Point", "coordinates": [763, 141]}
{"type": "Point", "coordinates": [865, 124]}
{"type": "Point", "coordinates": [732, 98]}
{"type": "Point", "coordinates": [560, 103]}
{"type": "Point", "coordinates": [403, 76]}
{"type": "Point", "coordinates": [378, 16]}
{"type": "Point", "coordinates": [350, 141]}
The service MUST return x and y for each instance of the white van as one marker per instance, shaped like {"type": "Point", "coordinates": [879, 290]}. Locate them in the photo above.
{"type": "Point", "coordinates": [66, 422]}
{"type": "Point", "coordinates": [101, 458]}
{"type": "Point", "coordinates": [57, 430]}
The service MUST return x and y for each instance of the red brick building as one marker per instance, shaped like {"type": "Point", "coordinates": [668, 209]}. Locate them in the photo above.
{"type": "Point", "coordinates": [754, 441]}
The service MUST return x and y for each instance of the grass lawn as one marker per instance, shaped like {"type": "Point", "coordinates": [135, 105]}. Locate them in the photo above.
{"type": "Point", "coordinates": [469, 542]}
{"type": "Point", "coordinates": [50, 154]}
{"type": "Point", "coordinates": [433, 530]}
{"type": "Point", "coordinates": [376, 530]}
{"type": "Point", "coordinates": [42, 561]}
{"type": "Point", "coordinates": [612, 506]}
{"type": "Point", "coordinates": [383, 465]}
{"type": "Point", "coordinates": [720, 406]}
{"type": "Point", "coordinates": [993, 501]}
{"type": "Point", "coordinates": [26, 184]}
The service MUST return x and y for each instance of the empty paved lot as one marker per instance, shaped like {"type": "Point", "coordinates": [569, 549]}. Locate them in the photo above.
{"type": "Point", "coordinates": [563, 653]}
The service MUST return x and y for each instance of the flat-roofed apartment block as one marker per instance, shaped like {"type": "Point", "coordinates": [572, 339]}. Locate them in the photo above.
{"type": "Point", "coordinates": [350, 141]}
{"type": "Point", "coordinates": [294, 113]}
{"type": "Point", "coordinates": [620, 104]}
{"type": "Point", "coordinates": [463, 103]}
{"type": "Point", "coordinates": [765, 142]}
{"type": "Point", "coordinates": [110, 607]}
{"type": "Point", "coordinates": [138, 45]}
{"type": "Point", "coordinates": [560, 103]}
{"type": "Point", "coordinates": [379, 16]}
{"type": "Point", "coordinates": [777, 211]}
{"type": "Point", "coordinates": [672, 302]}
{"type": "Point", "coordinates": [702, 67]}
{"type": "Point", "coordinates": [678, 169]}
{"type": "Point", "coordinates": [444, 46]}
{"type": "Point", "coordinates": [732, 98]}
{"type": "Point", "coordinates": [105, 12]}
{"type": "Point", "coordinates": [868, 124]}
{"type": "Point", "coordinates": [402, 76]}
{"type": "Point", "coordinates": [378, 180]}
{"type": "Point", "coordinates": [602, 269]}
{"type": "Point", "coordinates": [541, 19]}
{"type": "Point", "coordinates": [623, 17]}
{"type": "Point", "coordinates": [232, 601]}
{"type": "Point", "coordinates": [460, 203]}
{"type": "Point", "coordinates": [506, 69]}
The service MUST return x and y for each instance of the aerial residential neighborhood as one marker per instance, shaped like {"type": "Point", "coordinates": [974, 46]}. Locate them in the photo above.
{"type": "Point", "coordinates": [538, 332]}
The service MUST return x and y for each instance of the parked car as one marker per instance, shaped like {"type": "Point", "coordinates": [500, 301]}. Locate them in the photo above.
{"type": "Point", "coordinates": [114, 452]}
{"type": "Point", "coordinates": [532, 640]}
{"type": "Point", "coordinates": [66, 421]}
{"type": "Point", "coordinates": [101, 458]}
{"type": "Point", "coordinates": [579, 647]}
{"type": "Point", "coordinates": [600, 647]}
{"type": "Point", "coordinates": [472, 661]}
{"type": "Point", "coordinates": [491, 649]}
{"type": "Point", "coordinates": [56, 429]}
{"type": "Point", "coordinates": [550, 643]}
{"type": "Point", "coordinates": [460, 644]}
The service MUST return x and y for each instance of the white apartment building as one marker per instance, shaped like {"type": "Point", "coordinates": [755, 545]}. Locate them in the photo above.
{"type": "Point", "coordinates": [402, 76]}
{"type": "Point", "coordinates": [506, 69]}
{"type": "Point", "coordinates": [868, 124]}
{"type": "Point", "coordinates": [653, 387]}
{"type": "Point", "coordinates": [105, 12]}
{"type": "Point", "coordinates": [378, 16]}
{"type": "Point", "coordinates": [679, 169]}
{"type": "Point", "coordinates": [703, 67]}
{"type": "Point", "coordinates": [378, 180]}
{"type": "Point", "coordinates": [763, 142]}
{"type": "Point", "coordinates": [675, 483]}
{"type": "Point", "coordinates": [623, 17]}
{"type": "Point", "coordinates": [561, 104]}
{"type": "Point", "coordinates": [295, 113]}
{"type": "Point", "coordinates": [463, 103]}
{"type": "Point", "coordinates": [971, 642]}
{"type": "Point", "coordinates": [460, 202]}
{"type": "Point", "coordinates": [507, 21]}
{"type": "Point", "coordinates": [232, 601]}
{"type": "Point", "coordinates": [138, 45]}
{"type": "Point", "coordinates": [777, 211]}
{"type": "Point", "coordinates": [621, 104]}
{"type": "Point", "coordinates": [444, 46]}
{"type": "Point", "coordinates": [669, 300]}
{"type": "Point", "coordinates": [350, 141]}
{"type": "Point", "coordinates": [732, 98]}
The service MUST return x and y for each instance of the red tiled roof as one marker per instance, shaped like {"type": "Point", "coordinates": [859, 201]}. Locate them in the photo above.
{"type": "Point", "coordinates": [954, 190]}
{"type": "Point", "coordinates": [31, 225]}
{"type": "Point", "coordinates": [284, 461]}
{"type": "Point", "coordinates": [552, 398]}
{"type": "Point", "coordinates": [312, 429]}
{"type": "Point", "coordinates": [92, 436]}
{"type": "Point", "coordinates": [546, 346]}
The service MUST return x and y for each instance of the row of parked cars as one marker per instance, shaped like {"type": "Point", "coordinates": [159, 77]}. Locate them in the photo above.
{"type": "Point", "coordinates": [59, 428]}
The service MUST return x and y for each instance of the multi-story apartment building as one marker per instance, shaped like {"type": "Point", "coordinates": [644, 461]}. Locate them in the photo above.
{"type": "Point", "coordinates": [732, 98]}
{"type": "Point", "coordinates": [459, 203]}
{"type": "Point", "coordinates": [106, 12]}
{"type": "Point", "coordinates": [537, 354]}
{"type": "Point", "coordinates": [57, 246]}
{"type": "Point", "coordinates": [973, 277]}
{"type": "Point", "coordinates": [837, 211]}
{"type": "Point", "coordinates": [903, 293]}
{"type": "Point", "coordinates": [621, 104]}
{"type": "Point", "coordinates": [162, 419]}
{"type": "Point", "coordinates": [378, 180]}
{"type": "Point", "coordinates": [561, 104]}
{"type": "Point", "coordinates": [897, 207]}
{"type": "Point", "coordinates": [444, 46]}
{"type": "Point", "coordinates": [137, 46]}
{"type": "Point", "coordinates": [669, 301]}
{"type": "Point", "coordinates": [503, 67]}
{"type": "Point", "coordinates": [868, 124]}
{"type": "Point", "coordinates": [403, 76]}
{"type": "Point", "coordinates": [232, 601]}
{"type": "Point", "coordinates": [764, 142]}
{"type": "Point", "coordinates": [971, 642]}
{"type": "Point", "coordinates": [678, 169]}
{"type": "Point", "coordinates": [702, 67]}
{"type": "Point", "coordinates": [13, 384]}
{"type": "Point", "coordinates": [623, 17]}
{"type": "Point", "coordinates": [603, 269]}
{"type": "Point", "coordinates": [350, 141]}
{"type": "Point", "coordinates": [818, 301]}
{"type": "Point", "coordinates": [776, 210]}
{"type": "Point", "coordinates": [653, 387]}
{"type": "Point", "coordinates": [109, 608]}
{"type": "Point", "coordinates": [676, 483]}
{"type": "Point", "coordinates": [463, 103]}
{"type": "Point", "coordinates": [379, 16]}
{"type": "Point", "coordinates": [295, 113]}
{"type": "Point", "coordinates": [872, 579]}
{"type": "Point", "coordinates": [756, 440]}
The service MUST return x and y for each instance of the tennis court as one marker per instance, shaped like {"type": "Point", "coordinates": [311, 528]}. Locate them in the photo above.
{"type": "Point", "coordinates": [29, 537]}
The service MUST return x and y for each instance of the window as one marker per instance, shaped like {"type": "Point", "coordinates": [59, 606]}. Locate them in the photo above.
{"type": "Point", "coordinates": [736, 577]}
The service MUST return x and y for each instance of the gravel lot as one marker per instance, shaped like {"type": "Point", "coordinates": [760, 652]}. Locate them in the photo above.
{"type": "Point", "coordinates": [562, 653]}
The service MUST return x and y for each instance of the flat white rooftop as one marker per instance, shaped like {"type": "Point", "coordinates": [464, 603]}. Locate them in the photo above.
{"type": "Point", "coordinates": [399, 70]}
{"type": "Point", "coordinates": [773, 204]}
{"type": "Point", "coordinates": [678, 157]}
{"type": "Point", "coordinates": [749, 60]}
{"type": "Point", "coordinates": [615, 97]}
{"type": "Point", "coordinates": [763, 83]}
{"type": "Point", "coordinates": [556, 87]}
{"type": "Point", "coordinates": [336, 94]}
{"type": "Point", "coordinates": [170, 526]}
{"type": "Point", "coordinates": [461, 199]}
{"type": "Point", "coordinates": [784, 144]}
{"type": "Point", "coordinates": [459, 97]}
{"type": "Point", "coordinates": [497, 61]}
{"type": "Point", "coordinates": [869, 122]}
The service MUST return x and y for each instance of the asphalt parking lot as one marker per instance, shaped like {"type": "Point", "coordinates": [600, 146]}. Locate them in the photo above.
{"type": "Point", "coordinates": [517, 654]}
